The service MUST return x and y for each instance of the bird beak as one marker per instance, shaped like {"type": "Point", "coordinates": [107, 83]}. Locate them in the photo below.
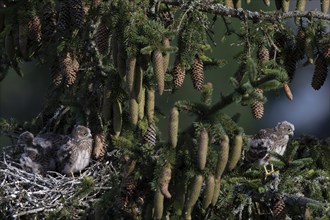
{"type": "Point", "coordinates": [291, 134]}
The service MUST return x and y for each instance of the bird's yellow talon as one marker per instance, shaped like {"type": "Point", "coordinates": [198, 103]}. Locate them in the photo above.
{"type": "Point", "coordinates": [269, 173]}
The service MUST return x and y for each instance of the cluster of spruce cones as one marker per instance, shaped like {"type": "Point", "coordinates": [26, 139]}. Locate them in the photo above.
{"type": "Point", "coordinates": [197, 74]}
{"type": "Point", "coordinates": [257, 107]}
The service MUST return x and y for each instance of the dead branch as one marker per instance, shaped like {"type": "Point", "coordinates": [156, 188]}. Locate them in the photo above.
{"type": "Point", "coordinates": [243, 14]}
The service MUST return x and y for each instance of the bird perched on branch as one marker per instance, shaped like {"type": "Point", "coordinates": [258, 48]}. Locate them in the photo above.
{"type": "Point", "coordinates": [75, 155]}
{"type": "Point", "coordinates": [269, 140]}
{"type": "Point", "coordinates": [53, 152]}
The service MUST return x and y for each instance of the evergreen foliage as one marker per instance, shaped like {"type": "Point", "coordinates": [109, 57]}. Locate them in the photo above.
{"type": "Point", "coordinates": [108, 58]}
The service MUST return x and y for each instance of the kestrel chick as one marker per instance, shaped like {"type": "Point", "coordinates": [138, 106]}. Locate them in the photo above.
{"type": "Point", "coordinates": [269, 140]}
{"type": "Point", "coordinates": [76, 153]}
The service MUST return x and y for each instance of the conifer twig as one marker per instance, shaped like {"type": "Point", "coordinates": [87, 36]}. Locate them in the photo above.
{"type": "Point", "coordinates": [225, 101]}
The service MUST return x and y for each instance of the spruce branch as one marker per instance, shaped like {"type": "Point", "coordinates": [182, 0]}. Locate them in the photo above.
{"type": "Point", "coordinates": [299, 200]}
{"type": "Point", "coordinates": [224, 102]}
{"type": "Point", "coordinates": [242, 14]}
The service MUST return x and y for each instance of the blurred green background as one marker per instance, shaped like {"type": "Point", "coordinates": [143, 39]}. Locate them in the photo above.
{"type": "Point", "coordinates": [23, 98]}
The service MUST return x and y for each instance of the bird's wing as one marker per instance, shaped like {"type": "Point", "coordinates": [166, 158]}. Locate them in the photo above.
{"type": "Point", "coordinates": [50, 140]}
{"type": "Point", "coordinates": [263, 133]}
{"type": "Point", "coordinates": [64, 151]}
{"type": "Point", "coordinates": [258, 149]}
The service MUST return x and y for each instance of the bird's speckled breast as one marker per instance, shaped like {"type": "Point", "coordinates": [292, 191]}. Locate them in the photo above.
{"type": "Point", "coordinates": [82, 161]}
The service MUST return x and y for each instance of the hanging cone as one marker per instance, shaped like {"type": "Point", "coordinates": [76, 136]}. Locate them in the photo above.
{"type": "Point", "coordinates": [320, 72]}
{"type": "Point", "coordinates": [257, 107]}
{"type": "Point", "coordinates": [102, 37]}
{"type": "Point", "coordinates": [166, 43]}
{"type": "Point", "coordinates": [325, 47]}
{"type": "Point", "coordinates": [64, 17]}
{"type": "Point", "coordinates": [48, 22]}
{"type": "Point", "coordinates": [178, 75]}
{"type": "Point", "coordinates": [300, 6]}
{"type": "Point", "coordinates": [77, 13]}
{"type": "Point", "coordinates": [229, 3]}
{"type": "Point", "coordinates": [158, 66]}
{"type": "Point", "coordinates": [150, 135]}
{"type": "Point", "coordinates": [263, 54]}
{"type": "Point", "coordinates": [35, 29]}
{"type": "Point", "coordinates": [285, 5]}
{"type": "Point", "coordinates": [287, 91]}
{"type": "Point", "coordinates": [197, 74]}
{"type": "Point", "coordinates": [117, 120]}
{"type": "Point", "coordinates": [300, 43]}
{"type": "Point", "coordinates": [150, 104]}
{"type": "Point", "coordinates": [57, 75]}
{"type": "Point", "coordinates": [325, 6]}
{"type": "Point", "coordinates": [133, 111]}
{"type": "Point", "coordinates": [67, 70]}
{"type": "Point", "coordinates": [290, 62]}
{"type": "Point", "coordinates": [267, 2]}
{"type": "Point", "coordinates": [100, 147]}
{"type": "Point", "coordinates": [279, 210]}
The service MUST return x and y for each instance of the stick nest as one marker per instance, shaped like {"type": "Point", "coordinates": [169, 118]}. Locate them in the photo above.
{"type": "Point", "coordinates": [23, 194]}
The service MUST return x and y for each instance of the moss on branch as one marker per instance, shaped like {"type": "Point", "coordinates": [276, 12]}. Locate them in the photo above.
{"type": "Point", "coordinates": [243, 14]}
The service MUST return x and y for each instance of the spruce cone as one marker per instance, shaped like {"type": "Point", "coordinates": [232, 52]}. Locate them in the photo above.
{"type": "Point", "coordinates": [267, 2]}
{"type": "Point", "coordinates": [287, 91]}
{"type": "Point", "coordinates": [150, 135]}
{"type": "Point", "coordinates": [285, 5]}
{"type": "Point", "coordinates": [48, 22]}
{"type": "Point", "coordinates": [325, 47]}
{"type": "Point", "coordinates": [100, 147]}
{"type": "Point", "coordinates": [64, 17]}
{"type": "Point", "coordinates": [320, 72]}
{"type": "Point", "coordinates": [326, 52]}
{"type": "Point", "coordinates": [178, 75]}
{"type": "Point", "coordinates": [77, 13]}
{"type": "Point", "coordinates": [258, 107]}
{"type": "Point", "coordinates": [122, 202]}
{"type": "Point", "coordinates": [229, 3]}
{"type": "Point", "coordinates": [300, 6]}
{"type": "Point", "coordinates": [158, 66]}
{"type": "Point", "coordinates": [57, 76]}
{"type": "Point", "coordinates": [102, 38]}
{"type": "Point", "coordinates": [325, 6]}
{"type": "Point", "coordinates": [300, 43]}
{"type": "Point", "coordinates": [35, 29]}
{"type": "Point", "coordinates": [129, 185]}
{"type": "Point", "coordinates": [75, 65]}
{"type": "Point", "coordinates": [197, 74]}
{"type": "Point", "coordinates": [279, 210]}
{"type": "Point", "coordinates": [290, 62]}
{"type": "Point", "coordinates": [263, 54]}
{"type": "Point", "coordinates": [127, 191]}
{"type": "Point", "coordinates": [68, 71]}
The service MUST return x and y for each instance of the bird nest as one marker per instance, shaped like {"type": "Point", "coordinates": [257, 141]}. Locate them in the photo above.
{"type": "Point", "coordinates": [23, 194]}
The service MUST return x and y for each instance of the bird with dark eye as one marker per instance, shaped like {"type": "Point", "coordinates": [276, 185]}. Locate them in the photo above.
{"type": "Point", "coordinates": [75, 155]}
{"type": "Point", "coordinates": [269, 140]}
{"type": "Point", "coordinates": [66, 154]}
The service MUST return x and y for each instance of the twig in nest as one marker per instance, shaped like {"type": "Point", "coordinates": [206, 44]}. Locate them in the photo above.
{"type": "Point", "coordinates": [27, 194]}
